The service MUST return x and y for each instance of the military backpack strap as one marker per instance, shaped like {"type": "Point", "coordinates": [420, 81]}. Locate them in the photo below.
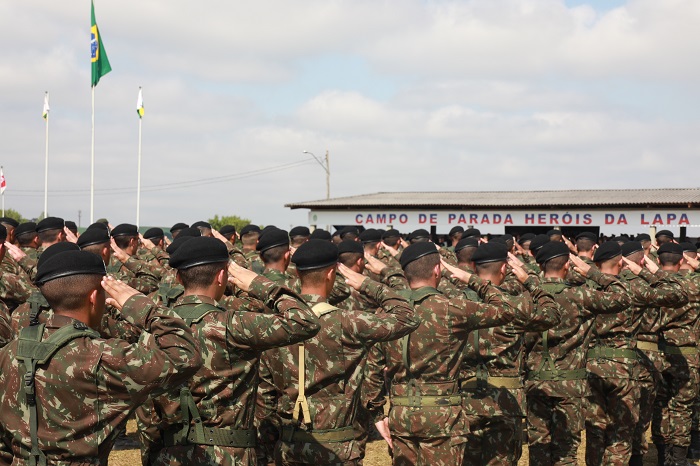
{"type": "Point", "coordinates": [301, 403]}
{"type": "Point", "coordinates": [32, 351]}
{"type": "Point", "coordinates": [37, 302]}
{"type": "Point", "coordinates": [194, 314]}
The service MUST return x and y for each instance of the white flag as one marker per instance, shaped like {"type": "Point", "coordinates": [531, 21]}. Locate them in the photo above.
{"type": "Point", "coordinates": [139, 104]}
{"type": "Point", "coordinates": [46, 106]}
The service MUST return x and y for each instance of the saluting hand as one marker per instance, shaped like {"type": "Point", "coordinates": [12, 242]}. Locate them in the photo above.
{"type": "Point", "coordinates": [650, 264]}
{"type": "Point", "coordinates": [517, 267]}
{"type": "Point", "coordinates": [119, 253]}
{"type": "Point", "coordinates": [392, 250]}
{"type": "Point", "coordinates": [215, 233]}
{"type": "Point", "coordinates": [579, 265]}
{"type": "Point", "coordinates": [459, 274]}
{"type": "Point", "coordinates": [118, 291]}
{"type": "Point", "coordinates": [16, 253]}
{"type": "Point", "coordinates": [693, 262]}
{"type": "Point", "coordinates": [70, 236]}
{"type": "Point", "coordinates": [147, 243]}
{"type": "Point", "coordinates": [373, 264]}
{"type": "Point", "coordinates": [352, 278]}
{"type": "Point", "coordinates": [240, 276]}
{"type": "Point", "coordinates": [633, 266]}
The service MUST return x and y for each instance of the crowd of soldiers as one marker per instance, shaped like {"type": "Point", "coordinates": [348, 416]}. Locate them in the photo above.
{"type": "Point", "coordinates": [291, 347]}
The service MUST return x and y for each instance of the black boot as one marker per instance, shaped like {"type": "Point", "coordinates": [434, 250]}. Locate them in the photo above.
{"type": "Point", "coordinates": [694, 450]}
{"type": "Point", "coordinates": [679, 456]}
{"type": "Point", "coordinates": [637, 460]}
{"type": "Point", "coordinates": [661, 454]}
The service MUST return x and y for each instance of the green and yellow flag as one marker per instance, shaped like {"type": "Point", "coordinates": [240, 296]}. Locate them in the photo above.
{"type": "Point", "coordinates": [100, 62]}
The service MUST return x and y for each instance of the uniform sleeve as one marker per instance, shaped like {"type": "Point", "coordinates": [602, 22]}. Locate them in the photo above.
{"type": "Point", "coordinates": [394, 319]}
{"type": "Point", "coordinates": [492, 311]}
{"type": "Point", "coordinates": [535, 309]}
{"type": "Point", "coordinates": [164, 356]}
{"type": "Point", "coordinates": [145, 279]}
{"type": "Point", "coordinates": [290, 322]}
{"type": "Point", "coordinates": [6, 332]}
{"type": "Point", "coordinates": [666, 290]}
{"type": "Point", "coordinates": [394, 278]}
{"type": "Point", "coordinates": [373, 390]}
{"type": "Point", "coordinates": [14, 289]}
{"type": "Point", "coordinates": [613, 297]}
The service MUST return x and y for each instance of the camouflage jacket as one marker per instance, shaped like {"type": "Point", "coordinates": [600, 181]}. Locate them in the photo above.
{"type": "Point", "coordinates": [152, 260]}
{"type": "Point", "coordinates": [334, 362]}
{"type": "Point", "coordinates": [6, 331]}
{"type": "Point", "coordinates": [231, 341]}
{"type": "Point", "coordinates": [678, 327]}
{"type": "Point", "coordinates": [237, 255]}
{"type": "Point", "coordinates": [15, 284]}
{"type": "Point", "coordinates": [88, 389]}
{"type": "Point", "coordinates": [253, 261]}
{"type": "Point", "coordinates": [567, 343]}
{"type": "Point", "coordinates": [135, 273]}
{"type": "Point", "coordinates": [284, 279]}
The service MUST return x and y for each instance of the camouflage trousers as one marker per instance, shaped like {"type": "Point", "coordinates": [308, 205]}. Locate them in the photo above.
{"type": "Point", "coordinates": [495, 427]}
{"type": "Point", "coordinates": [613, 413]}
{"type": "Point", "coordinates": [317, 454]}
{"type": "Point", "coordinates": [554, 426]}
{"type": "Point", "coordinates": [436, 451]}
{"type": "Point", "coordinates": [651, 366]}
{"type": "Point", "coordinates": [673, 408]}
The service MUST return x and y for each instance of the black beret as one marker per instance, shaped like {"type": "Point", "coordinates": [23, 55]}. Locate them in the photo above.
{"type": "Point", "coordinates": [606, 251]}
{"type": "Point", "coordinates": [27, 227]}
{"type": "Point", "coordinates": [587, 235]}
{"type": "Point", "coordinates": [688, 247]}
{"type": "Point", "coordinates": [299, 231]}
{"type": "Point", "coordinates": [503, 239]}
{"type": "Point", "coordinates": [177, 242]}
{"type": "Point", "coordinates": [622, 239]}
{"type": "Point", "coordinates": [178, 226]}
{"type": "Point", "coordinates": [371, 235]}
{"type": "Point", "coordinates": [416, 251]}
{"type": "Point", "coordinates": [350, 246]}
{"type": "Point", "coordinates": [93, 236]}
{"type": "Point", "coordinates": [455, 230]}
{"type": "Point", "coordinates": [154, 233]}
{"type": "Point", "coordinates": [537, 242]}
{"type": "Point", "coordinates": [315, 254]}
{"type": "Point", "coordinates": [3, 233]}
{"type": "Point", "coordinates": [67, 263]}
{"type": "Point", "coordinates": [102, 220]}
{"type": "Point", "coordinates": [272, 238]}
{"type": "Point", "coordinates": [525, 238]}
{"type": "Point", "coordinates": [9, 221]}
{"type": "Point", "coordinates": [420, 233]}
{"type": "Point", "coordinates": [320, 233]}
{"type": "Point", "coordinates": [550, 250]}
{"type": "Point", "coordinates": [664, 233]}
{"type": "Point", "coordinates": [464, 243]}
{"type": "Point", "coordinates": [643, 237]}
{"type": "Point", "coordinates": [349, 231]}
{"type": "Point", "coordinates": [631, 247]}
{"type": "Point", "coordinates": [670, 248]}
{"type": "Point", "coordinates": [70, 224]}
{"type": "Point", "coordinates": [471, 232]}
{"type": "Point", "coordinates": [55, 249]}
{"type": "Point", "coordinates": [50, 223]}
{"type": "Point", "coordinates": [125, 229]}
{"type": "Point", "coordinates": [498, 239]}
{"type": "Point", "coordinates": [199, 251]}
{"type": "Point", "coordinates": [391, 234]}
{"type": "Point", "coordinates": [554, 232]}
{"type": "Point", "coordinates": [227, 230]}
{"type": "Point", "coordinates": [267, 227]}
{"type": "Point", "coordinates": [201, 224]}
{"type": "Point", "coordinates": [490, 252]}
{"type": "Point", "coordinates": [250, 228]}
{"type": "Point", "coordinates": [190, 231]}
{"type": "Point", "coordinates": [99, 226]}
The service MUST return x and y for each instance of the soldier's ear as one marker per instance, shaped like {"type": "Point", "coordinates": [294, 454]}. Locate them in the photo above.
{"type": "Point", "coordinates": [179, 280]}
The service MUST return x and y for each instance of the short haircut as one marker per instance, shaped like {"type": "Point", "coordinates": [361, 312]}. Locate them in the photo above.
{"type": "Point", "coordinates": [250, 238]}
{"type": "Point", "coordinates": [419, 240]}
{"type": "Point", "coordinates": [349, 258]}
{"type": "Point", "coordinates": [95, 248]}
{"type": "Point", "coordinates": [70, 293]}
{"type": "Point", "coordinates": [26, 238]}
{"type": "Point", "coordinates": [296, 241]}
{"type": "Point", "coordinates": [200, 276]}
{"type": "Point", "coordinates": [613, 260]}
{"type": "Point", "coordinates": [584, 244]}
{"type": "Point", "coordinates": [123, 241]}
{"type": "Point", "coordinates": [392, 241]}
{"type": "Point", "coordinates": [669, 258]}
{"type": "Point", "coordinates": [556, 264]}
{"type": "Point", "coordinates": [49, 236]}
{"type": "Point", "coordinates": [489, 267]}
{"type": "Point", "coordinates": [636, 256]}
{"type": "Point", "coordinates": [465, 255]}
{"type": "Point", "coordinates": [661, 239]}
{"type": "Point", "coordinates": [421, 268]}
{"type": "Point", "coordinates": [314, 277]}
{"type": "Point", "coordinates": [272, 255]}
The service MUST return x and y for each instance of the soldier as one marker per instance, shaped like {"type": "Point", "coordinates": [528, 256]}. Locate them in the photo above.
{"type": "Point", "coordinates": [14, 289]}
{"type": "Point", "coordinates": [556, 364]}
{"type": "Point", "coordinates": [464, 250]}
{"type": "Point", "coordinates": [51, 230]}
{"type": "Point", "coordinates": [210, 421]}
{"type": "Point", "coordinates": [28, 239]}
{"type": "Point", "coordinates": [320, 233]}
{"type": "Point", "coordinates": [317, 384]}
{"type": "Point", "coordinates": [645, 239]}
{"type": "Point", "coordinates": [455, 235]}
{"type": "Point", "coordinates": [125, 265]}
{"type": "Point", "coordinates": [672, 417]}
{"type": "Point", "coordinates": [156, 248]}
{"type": "Point", "coordinates": [249, 238]}
{"type": "Point", "coordinates": [10, 224]}
{"type": "Point", "coordinates": [273, 247]}
{"type": "Point", "coordinates": [228, 232]}
{"type": "Point", "coordinates": [64, 363]}
{"type": "Point", "coordinates": [72, 227]}
{"type": "Point", "coordinates": [390, 247]}
{"type": "Point", "coordinates": [298, 236]}
{"type": "Point", "coordinates": [555, 235]}
{"type": "Point", "coordinates": [177, 228]}
{"type": "Point", "coordinates": [204, 227]}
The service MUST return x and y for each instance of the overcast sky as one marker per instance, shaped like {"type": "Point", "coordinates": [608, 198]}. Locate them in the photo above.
{"type": "Point", "coordinates": [406, 95]}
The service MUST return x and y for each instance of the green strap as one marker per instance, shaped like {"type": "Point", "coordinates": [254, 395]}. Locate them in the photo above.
{"type": "Point", "coordinates": [194, 314]}
{"type": "Point", "coordinates": [37, 303]}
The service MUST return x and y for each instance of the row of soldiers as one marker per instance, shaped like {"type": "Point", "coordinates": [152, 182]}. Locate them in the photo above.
{"type": "Point", "coordinates": [287, 347]}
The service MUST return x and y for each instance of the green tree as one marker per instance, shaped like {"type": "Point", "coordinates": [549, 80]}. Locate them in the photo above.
{"type": "Point", "coordinates": [238, 222]}
{"type": "Point", "coordinates": [12, 213]}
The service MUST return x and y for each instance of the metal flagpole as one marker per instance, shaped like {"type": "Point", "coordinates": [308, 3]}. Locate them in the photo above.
{"type": "Point", "coordinates": [138, 178]}
{"type": "Point", "coordinates": [92, 162]}
{"type": "Point", "coordinates": [3, 194]}
{"type": "Point", "coordinates": [46, 165]}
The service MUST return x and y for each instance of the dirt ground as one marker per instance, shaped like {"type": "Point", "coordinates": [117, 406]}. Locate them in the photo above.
{"type": "Point", "coordinates": [376, 453]}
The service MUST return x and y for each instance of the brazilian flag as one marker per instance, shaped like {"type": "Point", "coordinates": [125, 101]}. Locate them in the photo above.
{"type": "Point", "coordinates": [100, 62]}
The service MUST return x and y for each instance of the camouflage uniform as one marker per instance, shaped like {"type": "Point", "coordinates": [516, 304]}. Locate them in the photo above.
{"type": "Point", "coordinates": [224, 389]}
{"type": "Point", "coordinates": [614, 369]}
{"type": "Point", "coordinates": [135, 273]}
{"type": "Point", "coordinates": [15, 284]}
{"type": "Point", "coordinates": [6, 331]}
{"type": "Point", "coordinates": [334, 367]}
{"type": "Point", "coordinates": [671, 421]}
{"type": "Point", "coordinates": [428, 423]}
{"type": "Point", "coordinates": [494, 398]}
{"type": "Point", "coordinates": [556, 375]}
{"type": "Point", "coordinates": [94, 384]}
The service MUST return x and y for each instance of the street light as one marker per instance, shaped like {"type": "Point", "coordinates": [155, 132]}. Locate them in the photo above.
{"type": "Point", "coordinates": [326, 168]}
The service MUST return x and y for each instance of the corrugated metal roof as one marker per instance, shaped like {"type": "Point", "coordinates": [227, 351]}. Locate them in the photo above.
{"type": "Point", "coordinates": [681, 197]}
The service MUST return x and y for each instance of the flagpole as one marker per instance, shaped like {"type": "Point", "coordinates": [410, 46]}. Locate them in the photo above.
{"type": "Point", "coordinates": [3, 195]}
{"type": "Point", "coordinates": [46, 166]}
{"type": "Point", "coordinates": [92, 162]}
{"type": "Point", "coordinates": [138, 178]}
